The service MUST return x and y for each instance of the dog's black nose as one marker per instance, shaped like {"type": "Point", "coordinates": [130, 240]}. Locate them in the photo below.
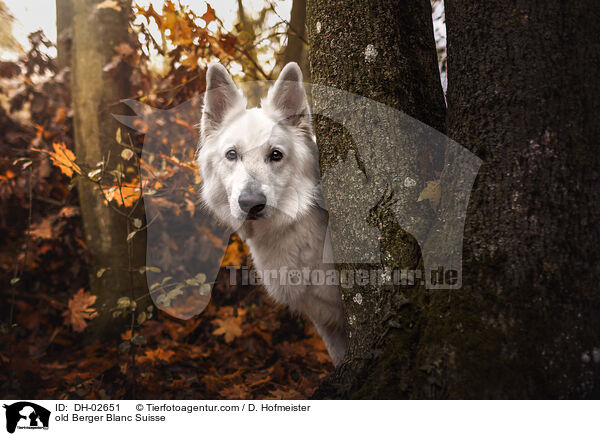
{"type": "Point", "coordinates": [252, 202]}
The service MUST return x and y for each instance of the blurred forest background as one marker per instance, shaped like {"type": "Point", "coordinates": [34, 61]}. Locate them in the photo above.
{"type": "Point", "coordinates": [76, 320]}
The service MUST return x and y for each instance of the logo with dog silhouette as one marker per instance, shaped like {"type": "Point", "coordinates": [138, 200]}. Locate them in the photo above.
{"type": "Point", "coordinates": [26, 415]}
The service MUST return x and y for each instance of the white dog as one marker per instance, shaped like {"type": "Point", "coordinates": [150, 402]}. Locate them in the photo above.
{"type": "Point", "coordinates": [261, 177]}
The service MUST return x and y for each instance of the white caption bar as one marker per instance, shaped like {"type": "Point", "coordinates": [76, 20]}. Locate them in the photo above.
{"type": "Point", "coordinates": [149, 417]}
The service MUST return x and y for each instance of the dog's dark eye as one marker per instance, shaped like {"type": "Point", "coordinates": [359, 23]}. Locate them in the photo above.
{"type": "Point", "coordinates": [276, 155]}
{"type": "Point", "coordinates": [231, 155]}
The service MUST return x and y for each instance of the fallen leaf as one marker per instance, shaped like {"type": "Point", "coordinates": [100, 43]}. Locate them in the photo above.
{"type": "Point", "coordinates": [68, 211]}
{"type": "Point", "coordinates": [43, 229]}
{"type": "Point", "coordinates": [157, 355]}
{"type": "Point", "coordinates": [80, 310]}
{"type": "Point", "coordinates": [279, 394]}
{"type": "Point", "coordinates": [236, 392]}
{"type": "Point", "coordinates": [8, 175]}
{"type": "Point", "coordinates": [230, 327]}
{"type": "Point", "coordinates": [258, 379]}
{"type": "Point", "coordinates": [61, 115]}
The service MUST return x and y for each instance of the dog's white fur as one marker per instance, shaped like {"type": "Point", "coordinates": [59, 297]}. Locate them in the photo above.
{"type": "Point", "coordinates": [292, 231]}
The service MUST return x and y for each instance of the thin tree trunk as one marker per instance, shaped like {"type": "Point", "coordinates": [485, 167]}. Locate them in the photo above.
{"type": "Point", "coordinates": [96, 96]}
{"type": "Point", "coordinates": [384, 51]}
{"type": "Point", "coordinates": [64, 32]}
{"type": "Point", "coordinates": [295, 50]}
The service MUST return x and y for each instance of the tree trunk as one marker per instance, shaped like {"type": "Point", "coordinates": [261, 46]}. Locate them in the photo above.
{"type": "Point", "coordinates": [96, 95]}
{"type": "Point", "coordinates": [523, 95]}
{"type": "Point", "coordinates": [64, 32]}
{"type": "Point", "coordinates": [384, 51]}
{"type": "Point", "coordinates": [295, 50]}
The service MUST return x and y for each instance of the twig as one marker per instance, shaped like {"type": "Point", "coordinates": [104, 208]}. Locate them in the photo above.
{"type": "Point", "coordinates": [251, 59]}
{"type": "Point", "coordinates": [50, 201]}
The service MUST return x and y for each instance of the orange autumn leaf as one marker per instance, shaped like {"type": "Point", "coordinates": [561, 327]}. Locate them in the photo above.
{"type": "Point", "coordinates": [7, 175]}
{"type": "Point", "coordinates": [64, 159]}
{"type": "Point", "coordinates": [61, 115]}
{"type": "Point", "coordinates": [80, 310]}
{"type": "Point", "coordinates": [230, 327]}
{"type": "Point", "coordinates": [126, 195]}
{"type": "Point", "coordinates": [209, 15]}
{"type": "Point", "coordinates": [157, 355]}
{"type": "Point", "coordinates": [68, 211]}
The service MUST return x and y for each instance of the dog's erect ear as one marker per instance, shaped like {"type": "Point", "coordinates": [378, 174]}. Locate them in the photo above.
{"type": "Point", "coordinates": [220, 99]}
{"type": "Point", "coordinates": [287, 100]}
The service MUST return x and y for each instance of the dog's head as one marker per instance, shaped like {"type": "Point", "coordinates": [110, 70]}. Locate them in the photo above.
{"type": "Point", "coordinates": [261, 163]}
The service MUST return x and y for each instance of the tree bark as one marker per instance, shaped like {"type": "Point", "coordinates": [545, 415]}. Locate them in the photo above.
{"type": "Point", "coordinates": [384, 51]}
{"type": "Point", "coordinates": [522, 95]}
{"type": "Point", "coordinates": [96, 96]}
{"type": "Point", "coordinates": [64, 32]}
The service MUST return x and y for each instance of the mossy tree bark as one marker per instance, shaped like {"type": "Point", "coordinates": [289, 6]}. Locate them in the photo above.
{"type": "Point", "coordinates": [523, 97]}
{"type": "Point", "coordinates": [96, 96]}
{"type": "Point", "coordinates": [384, 51]}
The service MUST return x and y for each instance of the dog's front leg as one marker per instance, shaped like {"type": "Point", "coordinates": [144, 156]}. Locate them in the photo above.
{"type": "Point", "coordinates": [334, 338]}
{"type": "Point", "coordinates": [323, 307]}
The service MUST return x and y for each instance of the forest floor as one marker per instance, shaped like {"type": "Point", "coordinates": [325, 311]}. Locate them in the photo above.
{"type": "Point", "coordinates": [241, 347]}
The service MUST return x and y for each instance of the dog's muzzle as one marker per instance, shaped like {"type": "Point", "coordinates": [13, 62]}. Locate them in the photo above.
{"type": "Point", "coordinates": [252, 203]}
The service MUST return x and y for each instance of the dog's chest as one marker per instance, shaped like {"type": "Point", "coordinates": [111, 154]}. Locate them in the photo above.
{"type": "Point", "coordinates": [284, 256]}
